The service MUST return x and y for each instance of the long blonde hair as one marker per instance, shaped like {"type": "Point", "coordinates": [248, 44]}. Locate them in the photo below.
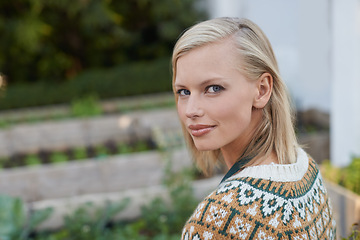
{"type": "Point", "coordinates": [276, 130]}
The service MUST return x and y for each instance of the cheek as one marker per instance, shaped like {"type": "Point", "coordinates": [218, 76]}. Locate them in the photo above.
{"type": "Point", "coordinates": [234, 111]}
{"type": "Point", "coordinates": [181, 112]}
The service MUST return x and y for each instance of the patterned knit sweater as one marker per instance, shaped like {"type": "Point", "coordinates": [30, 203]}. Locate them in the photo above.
{"type": "Point", "coordinates": [266, 202]}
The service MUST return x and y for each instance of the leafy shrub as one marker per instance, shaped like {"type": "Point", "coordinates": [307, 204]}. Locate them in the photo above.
{"type": "Point", "coordinates": [32, 159]}
{"type": "Point", "coordinates": [58, 157]}
{"type": "Point", "coordinates": [100, 151]}
{"type": "Point", "coordinates": [80, 153]}
{"type": "Point", "coordinates": [124, 148]}
{"type": "Point", "coordinates": [347, 177]}
{"type": "Point", "coordinates": [124, 80]}
{"type": "Point", "coordinates": [16, 224]}
{"type": "Point", "coordinates": [159, 220]}
{"type": "Point", "coordinates": [86, 106]}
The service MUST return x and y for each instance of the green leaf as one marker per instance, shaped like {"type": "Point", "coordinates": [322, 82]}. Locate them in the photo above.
{"type": "Point", "coordinates": [12, 216]}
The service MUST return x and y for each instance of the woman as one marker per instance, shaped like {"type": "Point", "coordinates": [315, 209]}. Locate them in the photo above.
{"type": "Point", "coordinates": [234, 107]}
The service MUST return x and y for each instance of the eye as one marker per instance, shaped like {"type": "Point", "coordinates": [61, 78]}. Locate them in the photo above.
{"type": "Point", "coordinates": [214, 88]}
{"type": "Point", "coordinates": [183, 92]}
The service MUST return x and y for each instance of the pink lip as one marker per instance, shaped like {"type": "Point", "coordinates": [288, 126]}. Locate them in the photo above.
{"type": "Point", "coordinates": [199, 130]}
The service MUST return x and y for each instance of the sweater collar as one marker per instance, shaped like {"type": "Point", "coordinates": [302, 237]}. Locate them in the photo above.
{"type": "Point", "coordinates": [277, 172]}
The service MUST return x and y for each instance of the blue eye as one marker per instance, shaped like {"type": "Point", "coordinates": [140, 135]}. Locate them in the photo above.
{"type": "Point", "coordinates": [183, 92]}
{"type": "Point", "coordinates": [214, 88]}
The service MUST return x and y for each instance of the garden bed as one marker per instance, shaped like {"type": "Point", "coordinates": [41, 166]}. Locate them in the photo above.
{"type": "Point", "coordinates": [83, 132]}
{"type": "Point", "coordinates": [97, 152]}
{"type": "Point", "coordinates": [116, 173]}
{"type": "Point", "coordinates": [138, 198]}
{"type": "Point", "coordinates": [346, 208]}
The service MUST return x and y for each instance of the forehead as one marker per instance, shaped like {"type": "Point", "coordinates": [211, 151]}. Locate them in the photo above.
{"type": "Point", "coordinates": [209, 61]}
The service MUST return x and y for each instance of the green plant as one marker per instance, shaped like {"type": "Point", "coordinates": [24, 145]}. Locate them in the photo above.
{"type": "Point", "coordinates": [160, 219]}
{"type": "Point", "coordinates": [124, 148]}
{"type": "Point", "coordinates": [86, 106]}
{"type": "Point", "coordinates": [355, 233]}
{"type": "Point", "coordinates": [132, 230]}
{"type": "Point", "coordinates": [55, 40]}
{"type": "Point", "coordinates": [101, 151]}
{"type": "Point", "coordinates": [89, 222]}
{"type": "Point", "coordinates": [2, 161]}
{"type": "Point", "coordinates": [58, 157]}
{"type": "Point", "coordinates": [80, 153]}
{"type": "Point", "coordinates": [140, 146]}
{"type": "Point", "coordinates": [352, 176]}
{"type": "Point", "coordinates": [16, 223]}
{"type": "Point", "coordinates": [32, 159]}
{"type": "Point", "coordinates": [347, 177]}
{"type": "Point", "coordinates": [4, 123]}
{"type": "Point", "coordinates": [168, 218]}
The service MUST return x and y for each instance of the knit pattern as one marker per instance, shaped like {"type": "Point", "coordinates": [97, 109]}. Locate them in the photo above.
{"type": "Point", "coordinates": [256, 208]}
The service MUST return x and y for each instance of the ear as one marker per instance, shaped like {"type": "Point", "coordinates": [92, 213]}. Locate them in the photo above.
{"type": "Point", "coordinates": [264, 87]}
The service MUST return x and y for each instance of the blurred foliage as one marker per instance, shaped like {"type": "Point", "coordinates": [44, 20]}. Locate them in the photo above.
{"type": "Point", "coordinates": [160, 219]}
{"type": "Point", "coordinates": [348, 177]}
{"type": "Point", "coordinates": [94, 152]}
{"type": "Point", "coordinates": [86, 106]}
{"type": "Point", "coordinates": [58, 157]}
{"type": "Point", "coordinates": [88, 222]}
{"type": "Point", "coordinates": [56, 40]}
{"type": "Point", "coordinates": [355, 233]}
{"type": "Point", "coordinates": [123, 80]}
{"type": "Point", "coordinates": [15, 223]}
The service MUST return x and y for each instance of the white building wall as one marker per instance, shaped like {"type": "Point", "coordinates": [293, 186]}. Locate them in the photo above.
{"type": "Point", "coordinates": [345, 110]}
{"type": "Point", "coordinates": [315, 54]}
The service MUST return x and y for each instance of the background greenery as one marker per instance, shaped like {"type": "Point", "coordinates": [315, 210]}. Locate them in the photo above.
{"type": "Point", "coordinates": [159, 220]}
{"type": "Point", "coordinates": [123, 80]}
{"type": "Point", "coordinates": [347, 177]}
{"type": "Point", "coordinates": [62, 49]}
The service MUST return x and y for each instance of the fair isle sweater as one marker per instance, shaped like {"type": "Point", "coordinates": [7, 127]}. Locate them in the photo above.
{"type": "Point", "coordinates": [266, 202]}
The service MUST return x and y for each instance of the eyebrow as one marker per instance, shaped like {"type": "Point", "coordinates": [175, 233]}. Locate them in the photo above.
{"type": "Point", "coordinates": [203, 83]}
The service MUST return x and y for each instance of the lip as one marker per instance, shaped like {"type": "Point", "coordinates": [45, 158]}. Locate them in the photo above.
{"type": "Point", "coordinates": [199, 130]}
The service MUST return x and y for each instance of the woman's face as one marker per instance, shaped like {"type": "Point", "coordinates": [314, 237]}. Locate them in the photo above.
{"type": "Point", "coordinates": [215, 101]}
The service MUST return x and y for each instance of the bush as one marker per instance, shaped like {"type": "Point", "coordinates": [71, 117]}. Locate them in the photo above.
{"type": "Point", "coordinates": [86, 107]}
{"type": "Point", "coordinates": [159, 220]}
{"type": "Point", "coordinates": [125, 80]}
{"type": "Point", "coordinates": [15, 222]}
{"type": "Point", "coordinates": [347, 177]}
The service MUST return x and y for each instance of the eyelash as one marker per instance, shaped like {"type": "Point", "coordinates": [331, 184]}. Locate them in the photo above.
{"type": "Point", "coordinates": [181, 90]}
{"type": "Point", "coordinates": [220, 88]}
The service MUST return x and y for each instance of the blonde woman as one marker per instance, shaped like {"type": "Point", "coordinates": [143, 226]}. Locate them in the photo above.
{"type": "Point", "coordinates": [234, 107]}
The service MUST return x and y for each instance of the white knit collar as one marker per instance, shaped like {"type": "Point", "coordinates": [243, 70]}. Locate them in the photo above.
{"type": "Point", "coordinates": [278, 172]}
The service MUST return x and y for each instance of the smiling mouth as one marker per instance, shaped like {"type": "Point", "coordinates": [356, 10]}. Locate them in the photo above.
{"type": "Point", "coordinates": [200, 130]}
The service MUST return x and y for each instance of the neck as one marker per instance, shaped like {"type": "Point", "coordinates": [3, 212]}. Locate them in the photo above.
{"type": "Point", "coordinates": [231, 156]}
{"type": "Point", "coordinates": [233, 151]}
{"type": "Point", "coordinates": [264, 159]}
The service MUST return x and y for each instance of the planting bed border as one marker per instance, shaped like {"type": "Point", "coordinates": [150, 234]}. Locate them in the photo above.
{"type": "Point", "coordinates": [59, 135]}
{"type": "Point", "coordinates": [346, 208]}
{"type": "Point", "coordinates": [346, 205]}
{"type": "Point", "coordinates": [138, 198]}
{"type": "Point", "coordinates": [71, 179]}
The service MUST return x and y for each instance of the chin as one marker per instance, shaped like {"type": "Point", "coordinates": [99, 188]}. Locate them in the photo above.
{"type": "Point", "coordinates": [205, 147]}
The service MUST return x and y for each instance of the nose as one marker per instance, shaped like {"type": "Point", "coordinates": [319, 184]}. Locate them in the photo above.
{"type": "Point", "coordinates": [194, 108]}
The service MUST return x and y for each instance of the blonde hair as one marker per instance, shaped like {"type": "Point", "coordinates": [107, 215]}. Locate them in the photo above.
{"type": "Point", "coordinates": [276, 130]}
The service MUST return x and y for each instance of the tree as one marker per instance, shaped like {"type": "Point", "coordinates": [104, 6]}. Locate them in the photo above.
{"type": "Point", "coordinates": [55, 40]}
